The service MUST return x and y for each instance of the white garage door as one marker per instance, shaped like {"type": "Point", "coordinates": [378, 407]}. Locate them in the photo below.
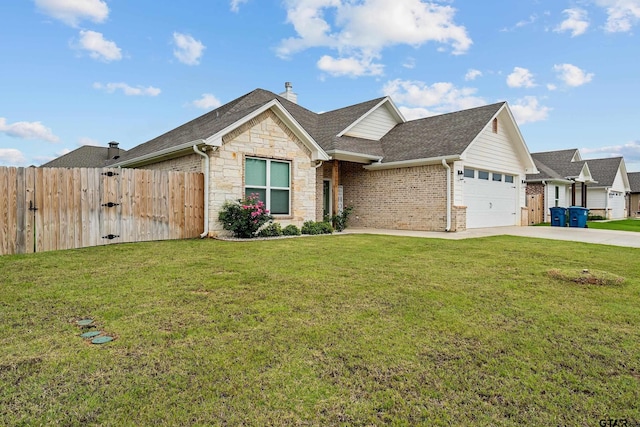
{"type": "Point", "coordinates": [491, 198]}
{"type": "Point", "coordinates": [617, 204]}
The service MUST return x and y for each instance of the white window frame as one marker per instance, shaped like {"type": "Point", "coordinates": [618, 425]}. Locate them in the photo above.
{"type": "Point", "coordinates": [268, 186]}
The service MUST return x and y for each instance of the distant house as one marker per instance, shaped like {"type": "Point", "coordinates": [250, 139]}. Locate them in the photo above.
{"type": "Point", "coordinates": [450, 172]}
{"type": "Point", "coordinates": [87, 156]}
{"type": "Point", "coordinates": [633, 203]}
{"type": "Point", "coordinates": [564, 179]}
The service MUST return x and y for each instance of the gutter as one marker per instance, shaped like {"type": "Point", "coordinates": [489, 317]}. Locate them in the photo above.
{"type": "Point", "coordinates": [205, 233]}
{"type": "Point", "coordinates": [448, 168]}
{"type": "Point", "coordinates": [147, 158]}
{"type": "Point", "coordinates": [413, 162]}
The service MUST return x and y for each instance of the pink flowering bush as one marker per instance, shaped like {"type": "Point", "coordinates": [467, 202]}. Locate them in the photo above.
{"type": "Point", "coordinates": [244, 217]}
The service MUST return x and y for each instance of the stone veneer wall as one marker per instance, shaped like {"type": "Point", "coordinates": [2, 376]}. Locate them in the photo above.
{"type": "Point", "coordinates": [188, 163]}
{"type": "Point", "coordinates": [266, 136]}
{"type": "Point", "coordinates": [535, 188]}
{"type": "Point", "coordinates": [404, 199]}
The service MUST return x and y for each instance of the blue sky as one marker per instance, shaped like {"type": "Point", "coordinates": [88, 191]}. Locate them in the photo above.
{"type": "Point", "coordinates": [86, 72]}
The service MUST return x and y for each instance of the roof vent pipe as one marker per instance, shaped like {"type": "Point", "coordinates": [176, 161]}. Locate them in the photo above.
{"type": "Point", "coordinates": [288, 93]}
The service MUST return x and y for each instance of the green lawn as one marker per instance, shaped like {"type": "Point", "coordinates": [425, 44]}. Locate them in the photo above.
{"type": "Point", "coordinates": [329, 330]}
{"type": "Point", "coordinates": [623, 225]}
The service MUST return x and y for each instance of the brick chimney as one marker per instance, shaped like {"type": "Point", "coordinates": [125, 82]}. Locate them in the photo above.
{"type": "Point", "coordinates": [288, 93]}
{"type": "Point", "coordinates": [113, 152]}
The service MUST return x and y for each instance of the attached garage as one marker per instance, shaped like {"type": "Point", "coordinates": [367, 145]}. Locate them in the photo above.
{"type": "Point", "coordinates": [491, 198]}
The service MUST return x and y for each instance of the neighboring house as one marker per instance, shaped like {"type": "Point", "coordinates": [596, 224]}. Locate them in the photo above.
{"type": "Point", "coordinates": [449, 172]}
{"type": "Point", "coordinates": [607, 196]}
{"type": "Point", "coordinates": [564, 179]}
{"type": "Point", "coordinates": [633, 203]}
{"type": "Point", "coordinates": [87, 156]}
{"type": "Point", "coordinates": [560, 182]}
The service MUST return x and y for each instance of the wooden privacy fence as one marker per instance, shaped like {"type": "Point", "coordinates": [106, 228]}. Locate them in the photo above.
{"type": "Point", "coordinates": [45, 209]}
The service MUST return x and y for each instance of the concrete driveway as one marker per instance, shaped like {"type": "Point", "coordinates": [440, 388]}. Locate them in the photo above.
{"type": "Point", "coordinates": [586, 235]}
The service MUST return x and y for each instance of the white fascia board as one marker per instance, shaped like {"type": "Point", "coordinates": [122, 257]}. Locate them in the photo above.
{"type": "Point", "coordinates": [394, 112]}
{"type": "Point", "coordinates": [317, 153]}
{"type": "Point", "coordinates": [412, 163]}
{"type": "Point", "coordinates": [625, 176]}
{"type": "Point", "coordinates": [166, 153]}
{"type": "Point", "coordinates": [349, 156]}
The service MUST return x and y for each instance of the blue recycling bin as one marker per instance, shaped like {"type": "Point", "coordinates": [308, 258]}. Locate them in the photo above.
{"type": "Point", "coordinates": [558, 217]}
{"type": "Point", "coordinates": [578, 216]}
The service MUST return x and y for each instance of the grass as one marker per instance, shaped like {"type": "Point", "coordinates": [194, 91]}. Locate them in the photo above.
{"type": "Point", "coordinates": [331, 330]}
{"type": "Point", "coordinates": [622, 225]}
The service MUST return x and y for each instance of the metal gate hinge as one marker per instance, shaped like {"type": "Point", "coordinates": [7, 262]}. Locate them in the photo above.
{"type": "Point", "coordinates": [31, 206]}
{"type": "Point", "coordinates": [110, 173]}
{"type": "Point", "coordinates": [110, 236]}
{"type": "Point", "coordinates": [110, 204]}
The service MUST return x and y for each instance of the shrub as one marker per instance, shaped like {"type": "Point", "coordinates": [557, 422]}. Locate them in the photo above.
{"type": "Point", "coordinates": [595, 218]}
{"type": "Point", "coordinates": [339, 220]}
{"type": "Point", "coordinates": [291, 230]}
{"type": "Point", "coordinates": [312, 227]}
{"type": "Point", "coordinates": [272, 230]}
{"type": "Point", "coordinates": [244, 217]}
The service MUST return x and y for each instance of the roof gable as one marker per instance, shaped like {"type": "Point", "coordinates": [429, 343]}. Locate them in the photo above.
{"type": "Point", "coordinates": [606, 171]}
{"type": "Point", "coordinates": [375, 123]}
{"type": "Point", "coordinates": [507, 127]}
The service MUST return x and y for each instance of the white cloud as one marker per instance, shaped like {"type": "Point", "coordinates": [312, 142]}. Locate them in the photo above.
{"type": "Point", "coordinates": [89, 141]}
{"type": "Point", "coordinates": [207, 102]}
{"type": "Point", "coordinates": [128, 90]}
{"type": "Point", "coordinates": [531, 20]}
{"type": "Point", "coordinates": [98, 47]}
{"type": "Point", "coordinates": [419, 99]}
{"type": "Point", "coordinates": [622, 14]}
{"type": "Point", "coordinates": [472, 74]}
{"type": "Point", "coordinates": [235, 5]}
{"type": "Point", "coordinates": [353, 67]}
{"type": "Point", "coordinates": [27, 130]}
{"type": "Point", "coordinates": [188, 50]}
{"type": "Point", "coordinates": [572, 75]}
{"type": "Point", "coordinates": [363, 29]}
{"type": "Point", "coordinates": [551, 87]}
{"type": "Point", "coordinates": [630, 151]}
{"type": "Point", "coordinates": [576, 22]}
{"type": "Point", "coordinates": [521, 77]}
{"type": "Point", "coordinates": [11, 157]}
{"type": "Point", "coordinates": [529, 110]}
{"type": "Point", "coordinates": [410, 63]}
{"type": "Point", "coordinates": [71, 12]}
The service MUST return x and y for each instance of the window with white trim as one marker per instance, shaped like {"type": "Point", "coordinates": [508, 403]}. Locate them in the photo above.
{"type": "Point", "coordinates": [271, 180]}
{"type": "Point", "coordinates": [497, 177]}
{"type": "Point", "coordinates": [508, 178]}
{"type": "Point", "coordinates": [483, 175]}
{"type": "Point", "coordinates": [469, 173]}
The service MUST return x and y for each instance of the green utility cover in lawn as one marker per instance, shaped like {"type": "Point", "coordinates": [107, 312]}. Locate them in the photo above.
{"type": "Point", "coordinates": [101, 340]}
{"type": "Point", "coordinates": [90, 334]}
{"type": "Point", "coordinates": [85, 322]}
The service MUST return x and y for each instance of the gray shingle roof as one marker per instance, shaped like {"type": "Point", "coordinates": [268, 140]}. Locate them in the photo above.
{"type": "Point", "coordinates": [443, 135]}
{"type": "Point", "coordinates": [634, 181]}
{"type": "Point", "coordinates": [448, 134]}
{"type": "Point", "coordinates": [86, 156]}
{"type": "Point", "coordinates": [604, 170]}
{"type": "Point", "coordinates": [556, 165]}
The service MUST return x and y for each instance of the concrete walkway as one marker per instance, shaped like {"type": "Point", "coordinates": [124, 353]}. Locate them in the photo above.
{"type": "Point", "coordinates": [586, 235]}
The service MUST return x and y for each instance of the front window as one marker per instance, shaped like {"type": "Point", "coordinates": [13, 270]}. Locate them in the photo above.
{"type": "Point", "coordinates": [271, 180]}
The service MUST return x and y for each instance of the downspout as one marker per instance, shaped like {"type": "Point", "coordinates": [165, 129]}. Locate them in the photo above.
{"type": "Point", "coordinates": [448, 168]}
{"type": "Point", "coordinates": [318, 165]}
{"type": "Point", "coordinates": [205, 233]}
{"type": "Point", "coordinates": [606, 203]}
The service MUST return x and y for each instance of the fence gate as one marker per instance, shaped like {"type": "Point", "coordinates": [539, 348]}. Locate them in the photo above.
{"type": "Point", "coordinates": [536, 209]}
{"type": "Point", "coordinates": [43, 209]}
